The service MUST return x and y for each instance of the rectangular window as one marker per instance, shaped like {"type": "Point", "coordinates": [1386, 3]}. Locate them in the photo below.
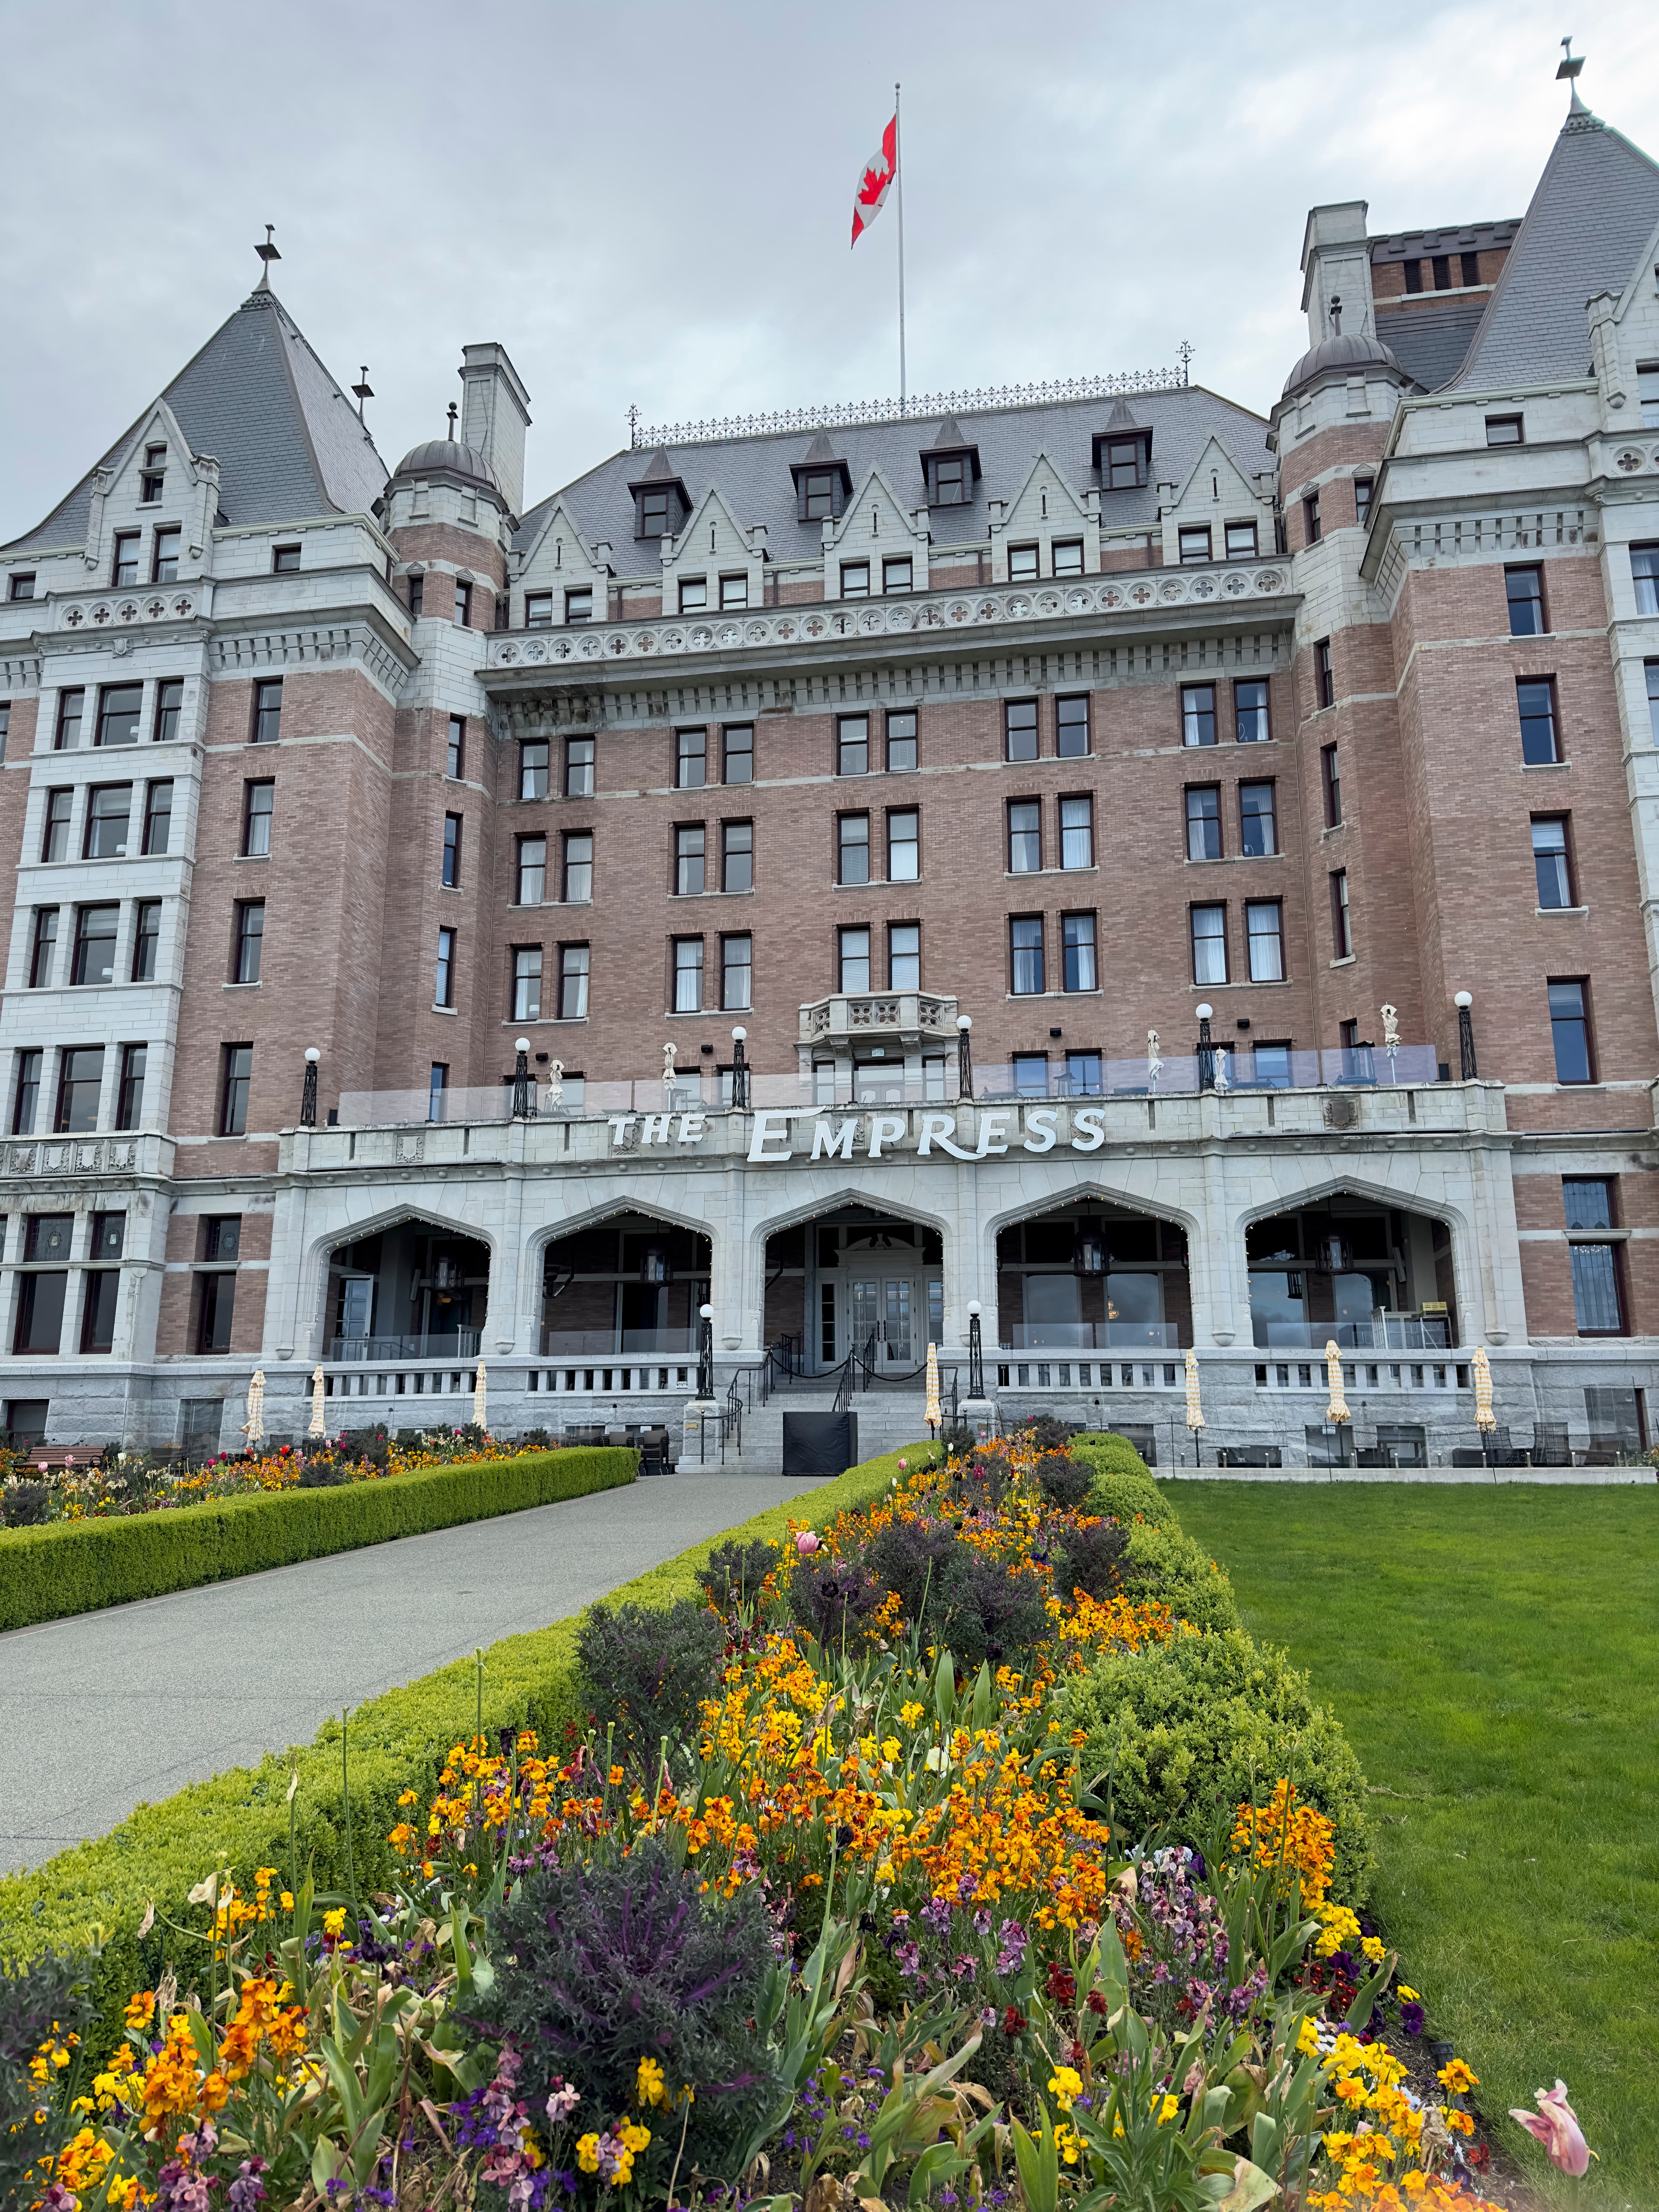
{"type": "Point", "coordinates": [41, 1312]}
{"type": "Point", "coordinates": [71, 705]}
{"type": "Point", "coordinates": [853, 745]}
{"type": "Point", "coordinates": [902, 740]}
{"type": "Point", "coordinates": [1596, 1304]}
{"type": "Point", "coordinates": [169, 710]}
{"type": "Point", "coordinates": [734, 592]}
{"type": "Point", "coordinates": [109, 1237]}
{"type": "Point", "coordinates": [42, 947]}
{"type": "Point", "coordinates": [531, 886]}
{"type": "Point", "coordinates": [578, 765]}
{"type": "Point", "coordinates": [94, 944]}
{"type": "Point", "coordinates": [145, 937]}
{"type": "Point", "coordinates": [1204, 821]}
{"type": "Point", "coordinates": [1077, 833]}
{"type": "Point", "coordinates": [852, 849]}
{"type": "Point", "coordinates": [1065, 556]}
{"type": "Point", "coordinates": [284, 559]}
{"type": "Point", "coordinates": [897, 574]}
{"type": "Point", "coordinates": [737, 856]}
{"type": "Point", "coordinates": [164, 559]}
{"type": "Point", "coordinates": [125, 570]}
{"type": "Point", "coordinates": [1071, 728]}
{"type": "Point", "coordinates": [1194, 545]}
{"type": "Point", "coordinates": [1020, 730]}
{"type": "Point", "coordinates": [694, 595]}
{"type": "Point", "coordinates": [1209, 929]}
{"type": "Point", "coordinates": [20, 585]}
{"type": "Point", "coordinates": [1264, 932]}
{"type": "Point", "coordinates": [1197, 714]}
{"type": "Point", "coordinates": [855, 580]}
{"type": "Point", "coordinates": [1324, 675]}
{"type": "Point", "coordinates": [1362, 489]}
{"type": "Point", "coordinates": [119, 708]}
{"type": "Point", "coordinates": [1503, 430]}
{"type": "Point", "coordinates": [1644, 574]}
{"type": "Point", "coordinates": [1535, 701]}
{"type": "Point", "coordinates": [526, 983]}
{"type": "Point", "coordinates": [1271, 1063]}
{"type": "Point", "coordinates": [579, 603]}
{"type": "Point", "coordinates": [1023, 564]}
{"type": "Point", "coordinates": [258, 801]}
{"type": "Point", "coordinates": [26, 1099]}
{"type": "Point", "coordinates": [1082, 1074]}
{"type": "Point", "coordinates": [437, 1084]}
{"type": "Point", "coordinates": [129, 1095]}
{"type": "Point", "coordinates": [904, 846]}
{"type": "Point", "coordinates": [1250, 724]}
{"type": "Point", "coordinates": [222, 1236]}
{"type": "Point", "coordinates": [687, 975]}
{"type": "Point", "coordinates": [250, 940]}
{"type": "Point", "coordinates": [1442, 263]}
{"type": "Point", "coordinates": [538, 609]}
{"type": "Point", "coordinates": [1469, 268]}
{"type": "Point", "coordinates": [267, 710]}
{"type": "Point", "coordinates": [417, 596]}
{"type": "Point", "coordinates": [953, 479]}
{"type": "Point", "coordinates": [1126, 464]}
{"type": "Point", "coordinates": [1647, 393]}
{"type": "Point", "coordinates": [46, 1236]}
{"type": "Point", "coordinates": [1569, 1030]}
{"type": "Point", "coordinates": [533, 768]}
{"type": "Point", "coordinates": [1241, 541]}
{"type": "Point", "coordinates": [739, 766]}
{"type": "Point", "coordinates": [578, 865]}
{"type": "Point", "coordinates": [5, 725]}
{"type": "Point", "coordinates": [1341, 920]}
{"type": "Point", "coordinates": [54, 842]}
{"type": "Point", "coordinates": [455, 764]}
{"type": "Point", "coordinates": [80, 1081]}
{"type": "Point", "coordinates": [905, 956]}
{"type": "Point", "coordinates": [109, 812]}
{"type": "Point", "coordinates": [1030, 1075]}
{"type": "Point", "coordinates": [573, 982]}
{"type": "Point", "coordinates": [1550, 859]}
{"type": "Point", "coordinates": [1588, 1200]}
{"type": "Point", "coordinates": [737, 964]}
{"type": "Point", "coordinates": [852, 960]}
{"type": "Point", "coordinates": [1025, 836]}
{"type": "Point", "coordinates": [1524, 589]}
{"type": "Point", "coordinates": [1025, 954]}
{"type": "Point", "coordinates": [1330, 774]}
{"type": "Point", "coordinates": [1258, 827]}
{"type": "Point", "coordinates": [690, 759]}
{"type": "Point", "coordinates": [1310, 517]}
{"type": "Point", "coordinates": [1652, 670]}
{"type": "Point", "coordinates": [1076, 933]}
{"type": "Point", "coordinates": [443, 986]}
{"type": "Point", "coordinates": [451, 865]}
{"type": "Point", "coordinates": [100, 1289]}
{"type": "Point", "coordinates": [236, 1079]}
{"type": "Point", "coordinates": [818, 493]}
{"type": "Point", "coordinates": [690, 846]}
{"type": "Point", "coordinates": [214, 1312]}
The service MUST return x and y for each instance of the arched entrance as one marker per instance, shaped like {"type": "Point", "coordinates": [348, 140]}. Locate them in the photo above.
{"type": "Point", "coordinates": [856, 1278]}
{"type": "Point", "coordinates": [1373, 1277]}
{"type": "Point", "coordinates": [414, 1290]}
{"type": "Point", "coordinates": [627, 1284]}
{"type": "Point", "coordinates": [1091, 1276]}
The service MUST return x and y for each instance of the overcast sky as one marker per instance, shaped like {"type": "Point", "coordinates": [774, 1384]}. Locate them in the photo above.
{"type": "Point", "coordinates": [649, 203]}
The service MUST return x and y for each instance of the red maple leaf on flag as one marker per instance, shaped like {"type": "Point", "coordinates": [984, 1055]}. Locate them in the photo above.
{"type": "Point", "coordinates": [875, 181]}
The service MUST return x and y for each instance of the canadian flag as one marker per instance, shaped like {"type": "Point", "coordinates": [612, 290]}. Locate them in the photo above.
{"type": "Point", "coordinates": [875, 181]}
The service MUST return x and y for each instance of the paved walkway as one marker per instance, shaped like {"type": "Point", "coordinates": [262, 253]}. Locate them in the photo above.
{"type": "Point", "coordinates": [111, 1710]}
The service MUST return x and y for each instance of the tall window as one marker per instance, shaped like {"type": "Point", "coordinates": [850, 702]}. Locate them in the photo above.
{"type": "Point", "coordinates": [532, 887]}
{"type": "Point", "coordinates": [437, 1085]}
{"type": "Point", "coordinates": [235, 1079]}
{"type": "Point", "coordinates": [573, 982]}
{"type": "Point", "coordinates": [125, 568]}
{"type": "Point", "coordinates": [1125, 464]}
{"type": "Point", "coordinates": [532, 768]}
{"type": "Point", "coordinates": [155, 474]}
{"type": "Point", "coordinates": [737, 856]}
{"type": "Point", "coordinates": [1077, 832]}
{"type": "Point", "coordinates": [1524, 589]}
{"type": "Point", "coordinates": [462, 616]}
{"type": "Point", "coordinates": [146, 939]}
{"type": "Point", "coordinates": [1258, 827]}
{"type": "Point", "coordinates": [905, 956]}
{"type": "Point", "coordinates": [1341, 920]}
{"type": "Point", "coordinates": [1250, 724]}
{"type": "Point", "coordinates": [690, 759]}
{"type": "Point", "coordinates": [1076, 933]}
{"type": "Point", "coordinates": [250, 940]}
{"type": "Point", "coordinates": [258, 801]}
{"type": "Point", "coordinates": [215, 1311]}
{"type": "Point", "coordinates": [817, 490]}
{"type": "Point", "coordinates": [129, 1095]}
{"type": "Point", "coordinates": [852, 960]}
{"type": "Point", "coordinates": [54, 842]}
{"type": "Point", "coordinates": [526, 983]}
{"type": "Point", "coordinates": [1324, 675]}
{"type": "Point", "coordinates": [1031, 1074]}
{"type": "Point", "coordinates": [71, 706]}
{"type": "Point", "coordinates": [1025, 954]}
{"type": "Point", "coordinates": [687, 975]}
{"type": "Point", "coordinates": [1652, 672]}
{"type": "Point", "coordinates": [739, 753]}
{"type": "Point", "coordinates": [451, 859]}
{"type": "Point", "coordinates": [119, 709]}
{"type": "Point", "coordinates": [80, 1081]}
{"type": "Point", "coordinates": [734, 592]}
{"type": "Point", "coordinates": [1644, 574]}
{"type": "Point", "coordinates": [42, 947]}
{"type": "Point", "coordinates": [1647, 393]}
{"type": "Point", "coordinates": [443, 988]}
{"type": "Point", "coordinates": [158, 815]}
{"type": "Point", "coordinates": [1071, 728]}
{"type": "Point", "coordinates": [1025, 836]}
{"type": "Point", "coordinates": [1241, 541]}
{"type": "Point", "coordinates": [1197, 714]}
{"type": "Point", "coordinates": [852, 848]}
{"type": "Point", "coordinates": [1597, 1304]}
{"type": "Point", "coordinates": [579, 603]}
{"type": "Point", "coordinates": [26, 1099]}
{"type": "Point", "coordinates": [95, 943]}
{"type": "Point", "coordinates": [1362, 489]}
{"type": "Point", "coordinates": [578, 865]}
{"type": "Point", "coordinates": [897, 574]}
{"type": "Point", "coordinates": [1204, 821]}
{"type": "Point", "coordinates": [40, 1310]}
{"type": "Point", "coordinates": [455, 767]}
{"type": "Point", "coordinates": [855, 580]}
{"type": "Point", "coordinates": [1330, 774]}
{"type": "Point", "coordinates": [267, 710]}
{"type": "Point", "coordinates": [164, 557]}
{"type": "Point", "coordinates": [1264, 931]}
{"type": "Point", "coordinates": [578, 767]}
{"type": "Point", "coordinates": [694, 595]}
{"type": "Point", "coordinates": [1023, 564]}
{"type": "Point", "coordinates": [1209, 930]}
{"type": "Point", "coordinates": [902, 741]}
{"type": "Point", "coordinates": [1540, 739]}
{"type": "Point", "coordinates": [109, 812]}
{"type": "Point", "coordinates": [737, 962]}
{"type": "Point", "coordinates": [1020, 730]}
{"type": "Point", "coordinates": [1083, 1074]}
{"type": "Point", "coordinates": [417, 596]}
{"type": "Point", "coordinates": [1310, 517]}
{"type": "Point", "coordinates": [903, 846]}
{"type": "Point", "coordinates": [1549, 854]}
{"type": "Point", "coordinates": [853, 745]}
{"type": "Point", "coordinates": [1569, 1030]}
{"type": "Point", "coordinates": [1065, 556]}
{"type": "Point", "coordinates": [1194, 545]}
{"type": "Point", "coordinates": [953, 476]}
{"type": "Point", "coordinates": [690, 846]}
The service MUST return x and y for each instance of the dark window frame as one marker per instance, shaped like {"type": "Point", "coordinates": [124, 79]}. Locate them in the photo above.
{"type": "Point", "coordinates": [235, 1088]}
{"type": "Point", "coordinates": [1583, 1021]}
{"type": "Point", "coordinates": [266, 724]}
{"type": "Point", "coordinates": [1021, 729]}
{"type": "Point", "coordinates": [247, 943]}
{"type": "Point", "coordinates": [1034, 949]}
{"type": "Point", "coordinates": [1531, 721]}
{"type": "Point", "coordinates": [1204, 818]}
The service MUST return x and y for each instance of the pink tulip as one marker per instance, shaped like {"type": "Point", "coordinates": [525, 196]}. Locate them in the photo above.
{"type": "Point", "coordinates": [903, 1463]}
{"type": "Point", "coordinates": [1556, 2126]}
{"type": "Point", "coordinates": [806, 1543]}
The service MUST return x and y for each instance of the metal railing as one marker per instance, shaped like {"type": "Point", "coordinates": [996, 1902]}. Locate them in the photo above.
{"type": "Point", "coordinates": [453, 1344]}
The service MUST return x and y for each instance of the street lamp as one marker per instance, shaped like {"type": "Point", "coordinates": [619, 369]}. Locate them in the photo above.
{"type": "Point", "coordinates": [739, 1070]}
{"type": "Point", "coordinates": [1463, 1002]}
{"type": "Point", "coordinates": [964, 1057]}
{"type": "Point", "coordinates": [976, 1352]}
{"type": "Point", "coordinates": [705, 1352]}
{"type": "Point", "coordinates": [308, 1092]}
{"type": "Point", "coordinates": [1206, 1051]}
{"type": "Point", "coordinates": [524, 1087]}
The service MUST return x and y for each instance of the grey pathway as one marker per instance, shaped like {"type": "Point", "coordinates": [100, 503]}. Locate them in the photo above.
{"type": "Point", "coordinates": [110, 1710]}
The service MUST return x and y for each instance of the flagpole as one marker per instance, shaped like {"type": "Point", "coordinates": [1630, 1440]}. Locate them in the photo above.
{"type": "Point", "coordinates": [898, 164]}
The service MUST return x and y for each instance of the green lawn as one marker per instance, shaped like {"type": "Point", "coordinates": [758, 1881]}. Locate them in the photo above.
{"type": "Point", "coordinates": [1494, 1655]}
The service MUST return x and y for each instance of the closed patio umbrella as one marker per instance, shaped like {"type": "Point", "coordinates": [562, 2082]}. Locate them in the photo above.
{"type": "Point", "coordinates": [254, 1427]}
{"type": "Point", "coordinates": [478, 1415]}
{"type": "Point", "coordinates": [932, 1414]}
{"type": "Point", "coordinates": [1485, 1419]}
{"type": "Point", "coordinates": [318, 1425]}
{"type": "Point", "coordinates": [1337, 1411]}
{"type": "Point", "coordinates": [1194, 1404]}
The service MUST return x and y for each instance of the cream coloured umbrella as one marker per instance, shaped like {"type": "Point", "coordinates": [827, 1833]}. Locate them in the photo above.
{"type": "Point", "coordinates": [932, 1414]}
{"type": "Point", "coordinates": [1485, 1419]}
{"type": "Point", "coordinates": [1337, 1411]}
{"type": "Point", "coordinates": [478, 1396]}
{"type": "Point", "coordinates": [318, 1425]}
{"type": "Point", "coordinates": [254, 1427]}
{"type": "Point", "coordinates": [1194, 1408]}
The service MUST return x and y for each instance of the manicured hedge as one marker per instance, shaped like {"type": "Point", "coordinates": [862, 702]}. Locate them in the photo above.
{"type": "Point", "coordinates": [78, 1566]}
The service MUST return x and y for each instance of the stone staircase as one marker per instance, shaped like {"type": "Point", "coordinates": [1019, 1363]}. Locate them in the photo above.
{"type": "Point", "coordinates": [888, 1421]}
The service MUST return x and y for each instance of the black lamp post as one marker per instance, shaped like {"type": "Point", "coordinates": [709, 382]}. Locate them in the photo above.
{"type": "Point", "coordinates": [1466, 1037]}
{"type": "Point", "coordinates": [740, 1072]}
{"type": "Point", "coordinates": [964, 1057]}
{"type": "Point", "coordinates": [1206, 1051]}
{"type": "Point", "coordinates": [705, 1352]}
{"type": "Point", "coordinates": [976, 1352]}
{"type": "Point", "coordinates": [523, 1084]}
{"type": "Point", "coordinates": [308, 1091]}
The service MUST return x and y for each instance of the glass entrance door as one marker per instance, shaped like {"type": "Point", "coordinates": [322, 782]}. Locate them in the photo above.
{"type": "Point", "coordinates": [897, 1348]}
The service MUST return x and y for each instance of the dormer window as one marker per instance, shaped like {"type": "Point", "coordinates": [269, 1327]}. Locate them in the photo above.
{"type": "Point", "coordinates": [125, 568]}
{"type": "Point", "coordinates": [952, 484]}
{"type": "Point", "coordinates": [579, 603]}
{"type": "Point", "coordinates": [819, 489]}
{"type": "Point", "coordinates": [1123, 466]}
{"type": "Point", "coordinates": [661, 502]}
{"type": "Point", "coordinates": [1023, 564]}
{"type": "Point", "coordinates": [155, 473]}
{"type": "Point", "coordinates": [656, 512]}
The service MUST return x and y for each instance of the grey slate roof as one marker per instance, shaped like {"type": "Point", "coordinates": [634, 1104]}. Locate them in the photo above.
{"type": "Point", "coordinates": [753, 473]}
{"type": "Point", "coordinates": [1431, 343]}
{"type": "Point", "coordinates": [288, 439]}
{"type": "Point", "coordinates": [1596, 206]}
{"type": "Point", "coordinates": [1347, 351]}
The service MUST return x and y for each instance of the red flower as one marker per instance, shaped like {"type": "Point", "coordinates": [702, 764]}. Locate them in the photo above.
{"type": "Point", "coordinates": [1012, 2021]}
{"type": "Point", "coordinates": [1096, 2003]}
{"type": "Point", "coordinates": [1062, 1984]}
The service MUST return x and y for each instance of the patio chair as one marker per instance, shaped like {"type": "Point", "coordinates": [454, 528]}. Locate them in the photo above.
{"type": "Point", "coordinates": [1550, 1447]}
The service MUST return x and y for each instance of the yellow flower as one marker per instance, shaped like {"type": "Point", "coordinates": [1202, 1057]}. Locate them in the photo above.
{"type": "Point", "coordinates": [334, 1922]}
{"type": "Point", "coordinates": [1455, 2077]}
{"type": "Point", "coordinates": [1372, 1947]}
{"type": "Point", "coordinates": [649, 2087]}
{"type": "Point", "coordinates": [1165, 2110]}
{"type": "Point", "coordinates": [1065, 2084]}
{"type": "Point", "coordinates": [1410, 1996]}
{"type": "Point", "coordinates": [911, 1713]}
{"type": "Point", "coordinates": [1068, 2142]}
{"type": "Point", "coordinates": [286, 1896]}
{"type": "Point", "coordinates": [1306, 2040]}
{"type": "Point", "coordinates": [634, 2135]}
{"type": "Point", "coordinates": [587, 2154]}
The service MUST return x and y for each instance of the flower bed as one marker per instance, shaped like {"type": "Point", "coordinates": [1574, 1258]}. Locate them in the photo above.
{"type": "Point", "coordinates": [850, 1925]}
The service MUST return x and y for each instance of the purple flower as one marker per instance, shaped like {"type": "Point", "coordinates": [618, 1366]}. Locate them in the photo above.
{"type": "Point", "coordinates": [937, 1914]}
{"type": "Point", "coordinates": [908, 1958]}
{"type": "Point", "coordinates": [1410, 2018]}
{"type": "Point", "coordinates": [247, 2189]}
{"type": "Point", "coordinates": [1012, 1956]}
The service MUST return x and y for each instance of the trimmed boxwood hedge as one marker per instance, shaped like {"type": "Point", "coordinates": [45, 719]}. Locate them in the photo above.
{"type": "Point", "coordinates": [79, 1567]}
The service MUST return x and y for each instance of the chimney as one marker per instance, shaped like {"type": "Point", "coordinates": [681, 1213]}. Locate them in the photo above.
{"type": "Point", "coordinates": [495, 416]}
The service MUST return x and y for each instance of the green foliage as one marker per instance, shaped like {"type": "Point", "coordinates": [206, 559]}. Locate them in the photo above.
{"type": "Point", "coordinates": [911, 1556]}
{"type": "Point", "coordinates": [831, 1598]}
{"type": "Point", "coordinates": [78, 1566]}
{"type": "Point", "coordinates": [735, 1573]}
{"type": "Point", "coordinates": [1065, 1481]}
{"type": "Point", "coordinates": [647, 1670]}
{"type": "Point", "coordinates": [990, 1609]}
{"type": "Point", "coordinates": [1091, 1559]}
{"type": "Point", "coordinates": [1193, 1727]}
{"type": "Point", "coordinates": [25, 1505]}
{"type": "Point", "coordinates": [1122, 1485]}
{"type": "Point", "coordinates": [48, 2000]}
{"type": "Point", "coordinates": [1165, 1564]}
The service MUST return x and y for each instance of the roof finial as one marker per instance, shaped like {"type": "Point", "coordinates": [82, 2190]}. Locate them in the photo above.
{"type": "Point", "coordinates": [1570, 63]}
{"type": "Point", "coordinates": [633, 427]}
{"type": "Point", "coordinates": [1336, 314]}
{"type": "Point", "coordinates": [453, 411]}
{"type": "Point", "coordinates": [1184, 354]}
{"type": "Point", "coordinates": [364, 391]}
{"type": "Point", "coordinates": [267, 253]}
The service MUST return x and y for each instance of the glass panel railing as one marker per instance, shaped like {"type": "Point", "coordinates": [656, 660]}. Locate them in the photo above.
{"type": "Point", "coordinates": [1388, 1333]}
{"type": "Point", "coordinates": [612, 1343]}
{"type": "Point", "coordinates": [1091, 1336]}
{"type": "Point", "coordinates": [451, 1344]}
